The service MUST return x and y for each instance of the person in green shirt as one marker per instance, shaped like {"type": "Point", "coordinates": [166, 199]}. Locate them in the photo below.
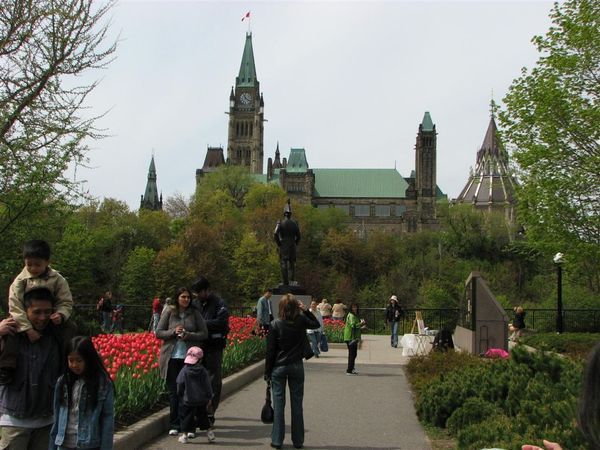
{"type": "Point", "coordinates": [352, 336]}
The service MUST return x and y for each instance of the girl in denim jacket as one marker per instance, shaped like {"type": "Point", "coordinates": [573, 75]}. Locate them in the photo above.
{"type": "Point", "coordinates": [83, 401]}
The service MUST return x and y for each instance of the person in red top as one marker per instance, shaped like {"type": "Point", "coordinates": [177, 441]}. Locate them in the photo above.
{"type": "Point", "coordinates": [157, 307]}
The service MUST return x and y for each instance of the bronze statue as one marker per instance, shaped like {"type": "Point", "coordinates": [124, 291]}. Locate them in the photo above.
{"type": "Point", "coordinates": [287, 237]}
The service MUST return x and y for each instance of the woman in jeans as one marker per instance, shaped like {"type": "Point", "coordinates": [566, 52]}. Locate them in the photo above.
{"type": "Point", "coordinates": [286, 342]}
{"type": "Point", "coordinates": [180, 327]}
{"type": "Point", "coordinates": [352, 336]}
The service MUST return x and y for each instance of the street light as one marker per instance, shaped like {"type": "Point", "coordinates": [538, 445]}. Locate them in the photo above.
{"type": "Point", "coordinates": [558, 260]}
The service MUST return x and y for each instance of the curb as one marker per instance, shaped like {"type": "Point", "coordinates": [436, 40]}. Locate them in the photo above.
{"type": "Point", "coordinates": [138, 434]}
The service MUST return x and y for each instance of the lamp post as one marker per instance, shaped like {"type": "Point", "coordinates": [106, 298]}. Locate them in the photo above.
{"type": "Point", "coordinates": [558, 260]}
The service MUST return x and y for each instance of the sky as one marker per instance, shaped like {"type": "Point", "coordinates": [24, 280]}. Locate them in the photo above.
{"type": "Point", "coordinates": [347, 81]}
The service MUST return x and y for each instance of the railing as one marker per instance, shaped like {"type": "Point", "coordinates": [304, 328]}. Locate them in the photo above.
{"type": "Point", "coordinates": [137, 317]}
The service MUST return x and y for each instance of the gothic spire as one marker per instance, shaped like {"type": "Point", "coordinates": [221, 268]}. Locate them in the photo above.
{"type": "Point", "coordinates": [150, 199]}
{"type": "Point", "coordinates": [247, 75]}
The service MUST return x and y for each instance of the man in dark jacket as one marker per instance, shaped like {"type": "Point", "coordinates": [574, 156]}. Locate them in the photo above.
{"type": "Point", "coordinates": [26, 403]}
{"type": "Point", "coordinates": [216, 315]}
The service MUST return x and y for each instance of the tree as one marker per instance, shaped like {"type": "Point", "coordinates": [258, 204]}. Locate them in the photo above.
{"type": "Point", "coordinates": [138, 283]}
{"type": "Point", "coordinates": [45, 45]}
{"type": "Point", "coordinates": [552, 124]}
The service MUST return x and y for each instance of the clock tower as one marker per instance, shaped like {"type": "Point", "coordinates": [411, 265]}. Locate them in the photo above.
{"type": "Point", "coordinates": [245, 134]}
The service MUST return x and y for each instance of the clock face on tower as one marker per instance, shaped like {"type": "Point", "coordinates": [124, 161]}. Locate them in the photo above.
{"type": "Point", "coordinates": [246, 98]}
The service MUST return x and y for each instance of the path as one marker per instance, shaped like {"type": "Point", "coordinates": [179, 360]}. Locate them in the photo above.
{"type": "Point", "coordinates": [373, 410]}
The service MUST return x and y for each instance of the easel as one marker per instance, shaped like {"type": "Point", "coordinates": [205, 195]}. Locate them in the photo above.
{"type": "Point", "coordinates": [420, 337]}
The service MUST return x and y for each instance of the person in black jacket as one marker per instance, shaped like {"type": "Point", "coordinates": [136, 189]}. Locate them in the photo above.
{"type": "Point", "coordinates": [286, 342]}
{"type": "Point", "coordinates": [215, 313]}
{"type": "Point", "coordinates": [393, 314]}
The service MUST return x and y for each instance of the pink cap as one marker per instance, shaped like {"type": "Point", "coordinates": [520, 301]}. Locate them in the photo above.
{"type": "Point", "coordinates": [194, 354]}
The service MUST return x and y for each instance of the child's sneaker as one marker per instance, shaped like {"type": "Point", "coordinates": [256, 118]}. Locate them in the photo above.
{"type": "Point", "coordinates": [191, 435]}
{"type": "Point", "coordinates": [210, 434]}
{"type": "Point", "coordinates": [183, 439]}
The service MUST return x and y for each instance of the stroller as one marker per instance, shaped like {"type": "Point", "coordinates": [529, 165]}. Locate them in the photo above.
{"type": "Point", "coordinates": [443, 341]}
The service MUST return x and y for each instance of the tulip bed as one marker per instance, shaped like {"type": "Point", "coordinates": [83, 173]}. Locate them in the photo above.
{"type": "Point", "coordinates": [334, 330]}
{"type": "Point", "coordinates": [132, 363]}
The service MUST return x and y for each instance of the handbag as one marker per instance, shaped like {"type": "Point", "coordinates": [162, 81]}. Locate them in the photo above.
{"type": "Point", "coordinates": [267, 414]}
{"type": "Point", "coordinates": [323, 345]}
{"type": "Point", "coordinates": [307, 352]}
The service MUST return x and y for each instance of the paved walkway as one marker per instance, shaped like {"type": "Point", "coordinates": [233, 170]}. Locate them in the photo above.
{"type": "Point", "coordinates": [373, 410]}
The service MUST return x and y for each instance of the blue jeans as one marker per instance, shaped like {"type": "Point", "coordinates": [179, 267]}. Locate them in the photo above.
{"type": "Point", "coordinates": [394, 327]}
{"type": "Point", "coordinates": [294, 375]}
{"type": "Point", "coordinates": [314, 339]}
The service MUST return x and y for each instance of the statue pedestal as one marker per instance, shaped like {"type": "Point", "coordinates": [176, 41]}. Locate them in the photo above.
{"type": "Point", "coordinates": [297, 291]}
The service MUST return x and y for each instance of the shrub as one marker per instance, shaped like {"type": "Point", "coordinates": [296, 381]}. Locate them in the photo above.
{"type": "Point", "coordinates": [473, 411]}
{"type": "Point", "coordinates": [576, 345]}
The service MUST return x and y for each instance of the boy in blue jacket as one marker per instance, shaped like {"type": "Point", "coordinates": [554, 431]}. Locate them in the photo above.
{"type": "Point", "coordinates": [195, 395]}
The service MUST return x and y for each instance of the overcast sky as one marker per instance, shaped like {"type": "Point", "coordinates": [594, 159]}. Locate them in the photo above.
{"type": "Point", "coordinates": [347, 81]}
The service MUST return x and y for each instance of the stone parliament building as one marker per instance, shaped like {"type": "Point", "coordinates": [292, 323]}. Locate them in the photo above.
{"type": "Point", "coordinates": [372, 198]}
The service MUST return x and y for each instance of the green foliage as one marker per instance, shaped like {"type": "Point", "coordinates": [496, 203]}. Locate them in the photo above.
{"type": "Point", "coordinates": [171, 270]}
{"type": "Point", "coordinates": [138, 276]}
{"type": "Point", "coordinates": [551, 123]}
{"type": "Point", "coordinates": [498, 402]}
{"type": "Point", "coordinates": [255, 267]}
{"type": "Point", "coordinates": [574, 345]}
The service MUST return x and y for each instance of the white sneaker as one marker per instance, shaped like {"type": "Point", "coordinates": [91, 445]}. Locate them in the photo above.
{"type": "Point", "coordinates": [173, 432]}
{"type": "Point", "coordinates": [191, 435]}
{"type": "Point", "coordinates": [210, 434]}
{"type": "Point", "coordinates": [183, 439]}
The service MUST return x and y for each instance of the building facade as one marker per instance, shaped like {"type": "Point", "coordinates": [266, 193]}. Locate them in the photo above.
{"type": "Point", "coordinates": [373, 199]}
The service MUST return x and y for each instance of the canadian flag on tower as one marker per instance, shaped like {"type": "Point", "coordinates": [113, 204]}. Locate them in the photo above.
{"type": "Point", "coordinates": [246, 16]}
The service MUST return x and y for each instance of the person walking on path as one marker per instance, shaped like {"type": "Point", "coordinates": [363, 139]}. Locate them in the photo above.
{"type": "Point", "coordinates": [314, 336]}
{"type": "Point", "coordinates": [338, 310]}
{"type": "Point", "coordinates": [518, 324]}
{"type": "Point", "coordinates": [180, 327]}
{"type": "Point", "coordinates": [215, 313]}
{"type": "Point", "coordinates": [393, 314]}
{"type": "Point", "coordinates": [352, 336]}
{"type": "Point", "coordinates": [195, 394]}
{"type": "Point", "coordinates": [264, 311]}
{"type": "Point", "coordinates": [325, 309]}
{"type": "Point", "coordinates": [84, 410]}
{"type": "Point", "coordinates": [283, 363]}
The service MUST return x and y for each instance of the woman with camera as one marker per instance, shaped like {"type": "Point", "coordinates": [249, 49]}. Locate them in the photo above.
{"type": "Point", "coordinates": [181, 326]}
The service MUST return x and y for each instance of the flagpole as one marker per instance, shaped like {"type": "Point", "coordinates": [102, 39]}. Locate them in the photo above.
{"type": "Point", "coordinates": [249, 19]}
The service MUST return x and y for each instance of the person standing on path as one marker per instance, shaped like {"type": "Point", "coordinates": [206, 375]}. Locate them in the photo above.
{"type": "Point", "coordinates": [352, 336]}
{"type": "Point", "coordinates": [157, 308]}
{"type": "Point", "coordinates": [338, 310]}
{"type": "Point", "coordinates": [393, 314]}
{"type": "Point", "coordinates": [314, 336]}
{"type": "Point", "coordinates": [26, 413]}
{"type": "Point", "coordinates": [215, 313]}
{"type": "Point", "coordinates": [264, 311]}
{"type": "Point", "coordinates": [106, 308]}
{"type": "Point", "coordinates": [325, 309]}
{"type": "Point", "coordinates": [283, 363]}
{"type": "Point", "coordinates": [180, 327]}
{"type": "Point", "coordinates": [518, 324]}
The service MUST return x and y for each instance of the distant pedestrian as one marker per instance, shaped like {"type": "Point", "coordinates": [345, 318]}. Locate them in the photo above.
{"type": "Point", "coordinates": [314, 335]}
{"type": "Point", "coordinates": [180, 327]}
{"type": "Point", "coordinates": [393, 315]}
{"type": "Point", "coordinates": [195, 395]}
{"type": "Point", "coordinates": [518, 324]}
{"type": "Point", "coordinates": [264, 311]}
{"type": "Point", "coordinates": [117, 319]}
{"type": "Point", "coordinates": [83, 401]}
{"type": "Point", "coordinates": [106, 308]}
{"type": "Point", "coordinates": [352, 336]}
{"type": "Point", "coordinates": [325, 309]}
{"type": "Point", "coordinates": [283, 365]}
{"type": "Point", "coordinates": [338, 310]}
{"type": "Point", "coordinates": [157, 308]}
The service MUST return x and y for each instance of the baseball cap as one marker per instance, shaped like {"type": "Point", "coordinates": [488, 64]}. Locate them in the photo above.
{"type": "Point", "coordinates": [393, 297]}
{"type": "Point", "coordinates": [193, 355]}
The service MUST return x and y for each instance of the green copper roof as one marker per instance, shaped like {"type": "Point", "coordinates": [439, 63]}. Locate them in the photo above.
{"type": "Point", "coordinates": [247, 75]}
{"type": "Point", "coordinates": [297, 161]}
{"type": "Point", "coordinates": [359, 183]}
{"type": "Point", "coordinates": [427, 123]}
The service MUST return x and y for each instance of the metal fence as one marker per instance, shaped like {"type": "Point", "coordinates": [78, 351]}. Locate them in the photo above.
{"type": "Point", "coordinates": [137, 317]}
